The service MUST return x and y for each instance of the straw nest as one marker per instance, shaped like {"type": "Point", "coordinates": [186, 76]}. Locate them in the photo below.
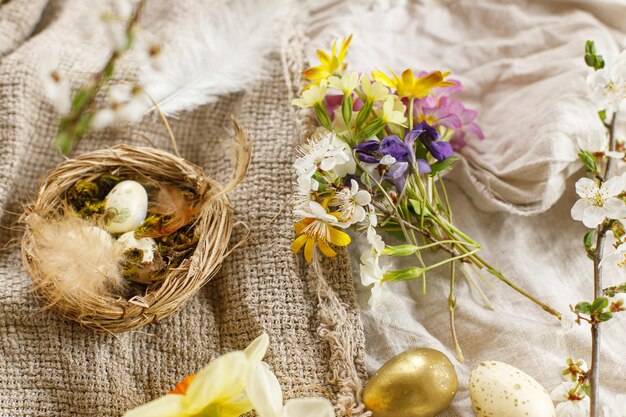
{"type": "Point", "coordinates": [214, 224]}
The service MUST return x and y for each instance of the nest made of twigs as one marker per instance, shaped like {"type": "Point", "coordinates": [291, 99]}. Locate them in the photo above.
{"type": "Point", "coordinates": [214, 225]}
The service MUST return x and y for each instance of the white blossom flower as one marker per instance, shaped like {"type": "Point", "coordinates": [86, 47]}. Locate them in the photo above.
{"type": "Point", "coordinates": [109, 20]}
{"type": "Point", "coordinates": [598, 203]}
{"type": "Point", "coordinates": [325, 152]}
{"type": "Point", "coordinates": [608, 85]}
{"type": "Point", "coordinates": [615, 407]}
{"type": "Point", "coordinates": [568, 406]}
{"type": "Point", "coordinates": [264, 392]}
{"type": "Point", "coordinates": [372, 274]}
{"type": "Point", "coordinates": [304, 192]}
{"type": "Point", "coordinates": [56, 86]}
{"type": "Point", "coordinates": [351, 202]}
{"type": "Point", "coordinates": [147, 47]}
{"type": "Point", "coordinates": [387, 160]}
{"type": "Point", "coordinates": [126, 103]}
{"type": "Point", "coordinates": [374, 239]}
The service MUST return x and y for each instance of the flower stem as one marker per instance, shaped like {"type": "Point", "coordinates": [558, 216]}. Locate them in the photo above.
{"type": "Point", "coordinates": [594, 371]}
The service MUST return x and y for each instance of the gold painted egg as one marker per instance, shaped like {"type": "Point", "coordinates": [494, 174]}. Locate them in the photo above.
{"type": "Point", "coordinates": [416, 383]}
{"type": "Point", "coordinates": [498, 389]}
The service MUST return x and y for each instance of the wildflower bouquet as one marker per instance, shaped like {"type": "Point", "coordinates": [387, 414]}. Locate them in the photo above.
{"type": "Point", "coordinates": [375, 165]}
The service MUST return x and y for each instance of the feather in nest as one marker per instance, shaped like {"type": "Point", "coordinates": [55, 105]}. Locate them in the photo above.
{"type": "Point", "coordinates": [217, 52]}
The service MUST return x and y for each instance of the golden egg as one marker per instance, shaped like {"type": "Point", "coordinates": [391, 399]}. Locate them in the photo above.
{"type": "Point", "coordinates": [416, 383]}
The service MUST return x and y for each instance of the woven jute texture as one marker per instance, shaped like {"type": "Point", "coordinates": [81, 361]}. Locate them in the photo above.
{"type": "Point", "coordinates": [53, 367]}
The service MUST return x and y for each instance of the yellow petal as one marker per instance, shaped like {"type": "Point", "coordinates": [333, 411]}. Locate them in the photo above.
{"type": "Point", "coordinates": [308, 250]}
{"type": "Point", "coordinates": [384, 79]}
{"type": "Point", "coordinates": [339, 238]}
{"type": "Point", "coordinates": [235, 408]}
{"type": "Point", "coordinates": [257, 349]}
{"type": "Point", "coordinates": [298, 227]}
{"type": "Point", "coordinates": [424, 84]}
{"type": "Point", "coordinates": [298, 243]}
{"type": "Point", "coordinates": [344, 47]}
{"type": "Point", "coordinates": [323, 57]}
{"type": "Point", "coordinates": [170, 405]}
{"type": "Point", "coordinates": [325, 249]}
{"type": "Point", "coordinates": [219, 382]}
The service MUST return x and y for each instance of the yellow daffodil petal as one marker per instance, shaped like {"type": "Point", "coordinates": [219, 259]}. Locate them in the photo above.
{"type": "Point", "coordinates": [308, 250]}
{"type": "Point", "coordinates": [325, 249]}
{"type": "Point", "coordinates": [339, 238]}
{"type": "Point", "coordinates": [170, 405]}
{"type": "Point", "coordinates": [383, 79]}
{"type": "Point", "coordinates": [258, 348]}
{"type": "Point", "coordinates": [219, 382]}
{"type": "Point", "coordinates": [235, 408]}
{"type": "Point", "coordinates": [426, 83]}
{"type": "Point", "coordinates": [298, 243]}
{"type": "Point", "coordinates": [323, 57]}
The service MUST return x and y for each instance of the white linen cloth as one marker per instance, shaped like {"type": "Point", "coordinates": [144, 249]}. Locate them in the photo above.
{"type": "Point", "coordinates": [522, 67]}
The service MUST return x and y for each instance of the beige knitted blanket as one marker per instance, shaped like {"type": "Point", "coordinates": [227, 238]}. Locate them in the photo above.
{"type": "Point", "coordinates": [53, 367]}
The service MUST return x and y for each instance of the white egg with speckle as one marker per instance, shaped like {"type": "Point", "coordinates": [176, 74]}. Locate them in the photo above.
{"type": "Point", "coordinates": [145, 244]}
{"type": "Point", "coordinates": [501, 390]}
{"type": "Point", "coordinates": [126, 206]}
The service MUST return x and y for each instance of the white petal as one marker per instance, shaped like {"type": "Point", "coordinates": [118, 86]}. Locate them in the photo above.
{"type": "Point", "coordinates": [170, 405]}
{"type": "Point", "coordinates": [255, 352]}
{"type": "Point", "coordinates": [586, 187]}
{"type": "Point", "coordinates": [362, 198]}
{"type": "Point", "coordinates": [320, 212]}
{"type": "Point", "coordinates": [615, 208]}
{"type": "Point", "coordinates": [354, 187]}
{"type": "Point", "coordinates": [614, 186]}
{"type": "Point", "coordinates": [264, 392]}
{"type": "Point", "coordinates": [358, 215]}
{"type": "Point", "coordinates": [578, 210]}
{"type": "Point", "coordinates": [560, 393]}
{"type": "Point", "coordinates": [309, 407]}
{"type": "Point", "coordinates": [378, 295]}
{"type": "Point", "coordinates": [615, 155]}
{"type": "Point", "coordinates": [103, 118]}
{"type": "Point", "coordinates": [593, 216]}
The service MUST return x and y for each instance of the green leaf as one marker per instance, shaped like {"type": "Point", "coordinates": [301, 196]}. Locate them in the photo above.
{"type": "Point", "coordinates": [588, 161]}
{"type": "Point", "coordinates": [346, 109]}
{"type": "Point", "coordinates": [599, 304]}
{"type": "Point", "coordinates": [363, 113]}
{"type": "Point", "coordinates": [444, 165]}
{"type": "Point", "coordinates": [602, 115]}
{"type": "Point", "coordinates": [605, 316]}
{"type": "Point", "coordinates": [588, 239]}
{"type": "Point", "coordinates": [583, 307]}
{"type": "Point", "coordinates": [592, 59]}
{"type": "Point", "coordinates": [373, 127]}
{"type": "Point", "coordinates": [417, 207]}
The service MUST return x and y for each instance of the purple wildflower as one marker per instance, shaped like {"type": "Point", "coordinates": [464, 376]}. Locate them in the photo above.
{"type": "Point", "coordinates": [430, 138]}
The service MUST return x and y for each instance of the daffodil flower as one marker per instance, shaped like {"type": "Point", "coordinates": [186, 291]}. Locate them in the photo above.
{"type": "Point", "coordinates": [329, 65]}
{"type": "Point", "coordinates": [598, 202]}
{"type": "Point", "coordinates": [318, 229]}
{"type": "Point", "coordinates": [346, 83]}
{"type": "Point", "coordinates": [218, 390]}
{"type": "Point", "coordinates": [393, 112]}
{"type": "Point", "coordinates": [409, 86]}
{"type": "Point", "coordinates": [266, 396]}
{"type": "Point", "coordinates": [374, 91]}
{"type": "Point", "coordinates": [314, 95]}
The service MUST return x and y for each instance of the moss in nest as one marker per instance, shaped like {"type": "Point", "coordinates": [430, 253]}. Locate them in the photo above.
{"type": "Point", "coordinates": [87, 197]}
{"type": "Point", "coordinates": [133, 269]}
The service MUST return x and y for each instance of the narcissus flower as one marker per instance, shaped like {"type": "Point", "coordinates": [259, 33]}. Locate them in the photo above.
{"type": "Point", "coordinates": [329, 65]}
{"type": "Point", "coordinates": [393, 112]}
{"type": "Point", "coordinates": [311, 96]}
{"type": "Point", "coordinates": [317, 228]}
{"type": "Point", "coordinates": [217, 390]}
{"type": "Point", "coordinates": [409, 86]}
{"type": "Point", "coordinates": [374, 90]}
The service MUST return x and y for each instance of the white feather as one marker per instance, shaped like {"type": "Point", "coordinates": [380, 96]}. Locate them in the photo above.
{"type": "Point", "coordinates": [220, 50]}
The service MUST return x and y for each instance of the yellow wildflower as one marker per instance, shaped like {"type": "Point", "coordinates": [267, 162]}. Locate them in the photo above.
{"type": "Point", "coordinates": [329, 65]}
{"type": "Point", "coordinates": [374, 91]}
{"type": "Point", "coordinates": [346, 83]}
{"type": "Point", "coordinates": [217, 390]}
{"type": "Point", "coordinates": [316, 229]}
{"type": "Point", "coordinates": [409, 86]}
{"type": "Point", "coordinates": [393, 111]}
{"type": "Point", "coordinates": [311, 96]}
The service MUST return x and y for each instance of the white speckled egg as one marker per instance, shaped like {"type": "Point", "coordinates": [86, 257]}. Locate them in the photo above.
{"type": "Point", "coordinates": [146, 244]}
{"type": "Point", "coordinates": [501, 390]}
{"type": "Point", "coordinates": [126, 206]}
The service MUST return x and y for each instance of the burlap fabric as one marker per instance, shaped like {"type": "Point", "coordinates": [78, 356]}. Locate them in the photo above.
{"type": "Point", "coordinates": [53, 367]}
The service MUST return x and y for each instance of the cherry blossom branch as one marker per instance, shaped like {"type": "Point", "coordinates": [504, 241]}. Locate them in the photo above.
{"type": "Point", "coordinates": [594, 370]}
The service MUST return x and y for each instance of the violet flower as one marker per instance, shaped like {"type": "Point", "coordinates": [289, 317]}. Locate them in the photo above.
{"type": "Point", "coordinates": [468, 124]}
{"type": "Point", "coordinates": [430, 138]}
